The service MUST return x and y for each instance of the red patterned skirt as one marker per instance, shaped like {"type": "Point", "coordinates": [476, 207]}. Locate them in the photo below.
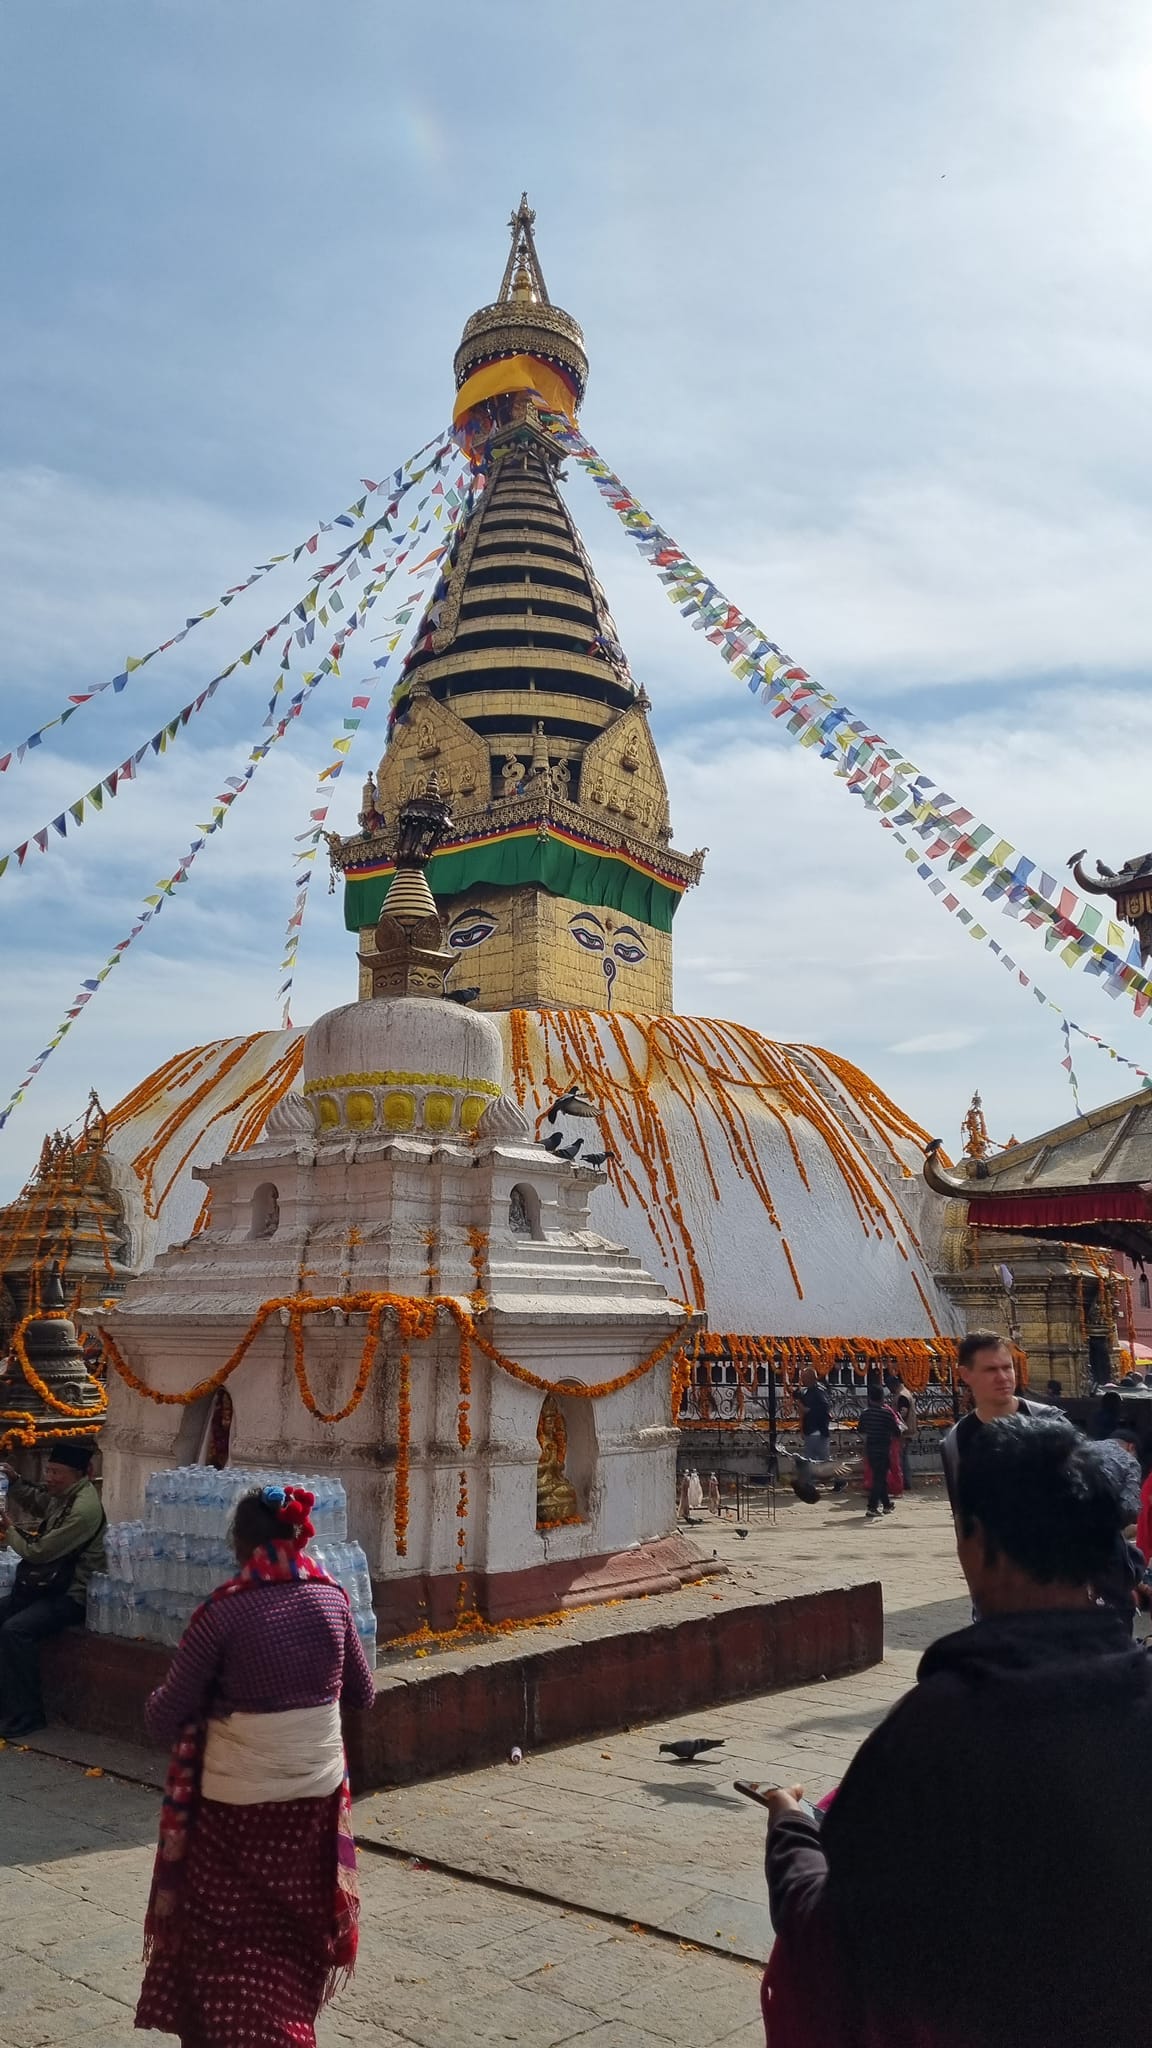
{"type": "Point", "coordinates": [255, 1950]}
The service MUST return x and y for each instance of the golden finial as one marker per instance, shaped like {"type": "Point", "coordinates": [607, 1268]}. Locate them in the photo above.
{"type": "Point", "coordinates": [974, 1130]}
{"type": "Point", "coordinates": [523, 278]}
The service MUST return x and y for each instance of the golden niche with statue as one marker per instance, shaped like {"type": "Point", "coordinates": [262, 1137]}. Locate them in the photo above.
{"type": "Point", "coordinates": [556, 1502]}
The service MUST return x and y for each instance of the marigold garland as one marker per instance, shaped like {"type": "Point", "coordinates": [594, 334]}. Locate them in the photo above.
{"type": "Point", "coordinates": [28, 1434]}
{"type": "Point", "coordinates": [464, 1438]}
{"type": "Point", "coordinates": [478, 1260]}
{"type": "Point", "coordinates": [403, 1445]}
{"type": "Point", "coordinates": [712, 1067]}
{"type": "Point", "coordinates": [83, 1411]}
{"type": "Point", "coordinates": [416, 1317]}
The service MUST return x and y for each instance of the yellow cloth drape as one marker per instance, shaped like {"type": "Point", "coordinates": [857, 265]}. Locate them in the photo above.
{"type": "Point", "coordinates": [515, 373]}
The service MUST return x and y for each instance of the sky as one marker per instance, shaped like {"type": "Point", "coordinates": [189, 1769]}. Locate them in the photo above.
{"type": "Point", "coordinates": [867, 291]}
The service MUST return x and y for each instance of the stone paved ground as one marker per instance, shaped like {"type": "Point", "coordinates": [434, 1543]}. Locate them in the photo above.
{"type": "Point", "coordinates": [635, 1902]}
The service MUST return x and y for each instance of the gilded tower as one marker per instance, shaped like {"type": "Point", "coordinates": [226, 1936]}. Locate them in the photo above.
{"type": "Point", "coordinates": [558, 882]}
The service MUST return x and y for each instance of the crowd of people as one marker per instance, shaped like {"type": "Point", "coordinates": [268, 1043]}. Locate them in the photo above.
{"type": "Point", "coordinates": [1003, 1809]}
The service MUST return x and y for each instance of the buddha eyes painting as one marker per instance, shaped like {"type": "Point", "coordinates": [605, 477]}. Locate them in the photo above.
{"type": "Point", "coordinates": [470, 928]}
{"type": "Point", "coordinates": [617, 944]}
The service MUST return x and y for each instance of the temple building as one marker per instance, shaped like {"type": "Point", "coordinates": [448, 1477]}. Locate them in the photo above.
{"type": "Point", "coordinates": [1050, 1239]}
{"type": "Point", "coordinates": [771, 1188]}
{"type": "Point", "coordinates": [70, 1214]}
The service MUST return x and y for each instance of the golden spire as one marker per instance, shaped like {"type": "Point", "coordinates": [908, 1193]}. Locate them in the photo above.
{"type": "Point", "coordinates": [523, 277]}
{"type": "Point", "coordinates": [522, 321]}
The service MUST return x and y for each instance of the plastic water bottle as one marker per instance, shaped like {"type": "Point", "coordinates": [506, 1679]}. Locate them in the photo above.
{"type": "Point", "coordinates": [97, 1613]}
{"type": "Point", "coordinates": [366, 1630]}
{"type": "Point", "coordinates": [361, 1578]}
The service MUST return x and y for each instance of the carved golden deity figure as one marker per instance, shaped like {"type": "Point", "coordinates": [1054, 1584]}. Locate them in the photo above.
{"type": "Point", "coordinates": [555, 1494]}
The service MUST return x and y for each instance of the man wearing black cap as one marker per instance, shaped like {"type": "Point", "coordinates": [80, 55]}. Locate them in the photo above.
{"type": "Point", "coordinates": [57, 1560]}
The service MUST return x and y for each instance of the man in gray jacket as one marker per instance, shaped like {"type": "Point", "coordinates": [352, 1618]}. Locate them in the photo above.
{"type": "Point", "coordinates": [988, 1370]}
{"type": "Point", "coordinates": [57, 1559]}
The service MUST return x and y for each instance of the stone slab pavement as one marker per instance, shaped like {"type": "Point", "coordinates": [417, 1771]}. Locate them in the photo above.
{"type": "Point", "coordinates": [597, 1893]}
{"type": "Point", "coordinates": [443, 1960]}
{"type": "Point", "coordinates": [610, 1824]}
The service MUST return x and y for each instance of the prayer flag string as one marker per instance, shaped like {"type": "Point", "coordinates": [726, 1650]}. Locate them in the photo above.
{"type": "Point", "coordinates": [391, 483]}
{"type": "Point", "coordinates": [235, 785]}
{"type": "Point", "coordinates": [451, 509]}
{"type": "Point", "coordinates": [876, 772]}
{"type": "Point", "coordinates": [301, 618]}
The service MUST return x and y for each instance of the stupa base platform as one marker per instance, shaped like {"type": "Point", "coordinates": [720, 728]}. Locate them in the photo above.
{"type": "Point", "coordinates": [433, 1600]}
{"type": "Point", "coordinates": [450, 1706]}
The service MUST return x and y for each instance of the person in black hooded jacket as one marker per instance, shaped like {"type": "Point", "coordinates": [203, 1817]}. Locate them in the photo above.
{"type": "Point", "coordinates": [1006, 1800]}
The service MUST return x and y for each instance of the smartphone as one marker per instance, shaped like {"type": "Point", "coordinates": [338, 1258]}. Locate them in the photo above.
{"type": "Point", "coordinates": [759, 1793]}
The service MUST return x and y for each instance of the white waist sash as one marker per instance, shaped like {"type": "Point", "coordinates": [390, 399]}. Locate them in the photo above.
{"type": "Point", "coordinates": [253, 1758]}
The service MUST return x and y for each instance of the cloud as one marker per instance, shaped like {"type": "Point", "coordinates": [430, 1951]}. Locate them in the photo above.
{"type": "Point", "coordinates": [938, 1041]}
{"type": "Point", "coordinates": [897, 408]}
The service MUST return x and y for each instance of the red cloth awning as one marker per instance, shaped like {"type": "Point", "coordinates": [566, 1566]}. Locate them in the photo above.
{"type": "Point", "coordinates": [1070, 1209]}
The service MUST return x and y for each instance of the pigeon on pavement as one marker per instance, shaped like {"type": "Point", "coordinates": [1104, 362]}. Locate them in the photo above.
{"type": "Point", "coordinates": [686, 1752]}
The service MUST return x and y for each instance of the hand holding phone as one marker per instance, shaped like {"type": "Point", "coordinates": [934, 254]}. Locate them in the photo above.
{"type": "Point", "coordinates": [762, 1794]}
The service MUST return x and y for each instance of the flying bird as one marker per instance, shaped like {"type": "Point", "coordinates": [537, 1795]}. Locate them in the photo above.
{"type": "Point", "coordinates": [687, 1752]}
{"type": "Point", "coordinates": [571, 1104]}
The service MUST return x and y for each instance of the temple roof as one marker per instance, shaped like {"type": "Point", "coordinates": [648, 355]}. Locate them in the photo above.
{"type": "Point", "coordinates": [1088, 1181]}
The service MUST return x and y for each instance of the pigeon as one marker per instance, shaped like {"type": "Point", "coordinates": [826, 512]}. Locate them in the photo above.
{"type": "Point", "coordinates": [741, 1532]}
{"type": "Point", "coordinates": [461, 995]}
{"type": "Point", "coordinates": [572, 1103]}
{"type": "Point", "coordinates": [599, 1158]}
{"type": "Point", "coordinates": [569, 1151]}
{"type": "Point", "coordinates": [688, 1751]}
{"type": "Point", "coordinates": [554, 1143]}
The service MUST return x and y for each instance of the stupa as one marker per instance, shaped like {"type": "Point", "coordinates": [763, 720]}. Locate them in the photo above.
{"type": "Point", "coordinates": [773, 1188]}
{"type": "Point", "coordinates": [405, 1291]}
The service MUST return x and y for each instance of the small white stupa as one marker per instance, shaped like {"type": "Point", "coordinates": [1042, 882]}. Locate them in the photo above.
{"type": "Point", "coordinates": [403, 1169]}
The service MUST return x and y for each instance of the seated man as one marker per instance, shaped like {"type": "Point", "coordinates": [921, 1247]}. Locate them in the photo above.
{"type": "Point", "coordinates": [1009, 1791]}
{"type": "Point", "coordinates": [51, 1585]}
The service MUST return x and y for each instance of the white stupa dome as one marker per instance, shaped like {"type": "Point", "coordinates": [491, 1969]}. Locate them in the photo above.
{"type": "Point", "coordinates": [405, 1064]}
{"type": "Point", "coordinates": [772, 1185]}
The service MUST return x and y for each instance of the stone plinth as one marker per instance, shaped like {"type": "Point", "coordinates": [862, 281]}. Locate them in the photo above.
{"type": "Point", "coordinates": [469, 1708]}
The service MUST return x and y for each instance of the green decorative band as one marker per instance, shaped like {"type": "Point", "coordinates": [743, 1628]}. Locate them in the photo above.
{"type": "Point", "coordinates": [391, 1080]}
{"type": "Point", "coordinates": [559, 862]}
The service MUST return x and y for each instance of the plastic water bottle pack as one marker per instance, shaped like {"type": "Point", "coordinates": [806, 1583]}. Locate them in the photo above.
{"type": "Point", "coordinates": [161, 1568]}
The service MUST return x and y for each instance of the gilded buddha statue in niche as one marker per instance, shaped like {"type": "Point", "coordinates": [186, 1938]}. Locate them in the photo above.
{"type": "Point", "coordinates": [555, 1494]}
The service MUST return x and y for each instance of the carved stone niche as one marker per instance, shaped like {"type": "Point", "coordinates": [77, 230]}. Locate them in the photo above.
{"type": "Point", "coordinates": [433, 738]}
{"type": "Point", "coordinates": [621, 772]}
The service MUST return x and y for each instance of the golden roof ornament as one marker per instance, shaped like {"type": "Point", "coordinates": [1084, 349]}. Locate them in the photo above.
{"type": "Point", "coordinates": [974, 1130]}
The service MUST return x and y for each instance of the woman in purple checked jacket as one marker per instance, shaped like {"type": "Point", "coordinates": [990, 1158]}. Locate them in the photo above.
{"type": "Point", "coordinates": [252, 1919]}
